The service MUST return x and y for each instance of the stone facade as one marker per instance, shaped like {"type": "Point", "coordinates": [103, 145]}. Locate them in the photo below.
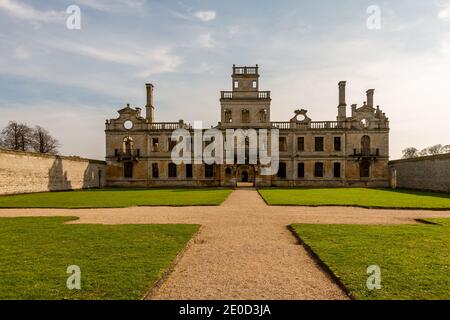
{"type": "Point", "coordinates": [351, 151]}
{"type": "Point", "coordinates": [26, 172]}
{"type": "Point", "coordinates": [425, 173]}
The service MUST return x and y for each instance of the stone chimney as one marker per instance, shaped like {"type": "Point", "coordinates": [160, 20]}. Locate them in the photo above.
{"type": "Point", "coordinates": [342, 107]}
{"type": "Point", "coordinates": [149, 109]}
{"type": "Point", "coordinates": [370, 93]}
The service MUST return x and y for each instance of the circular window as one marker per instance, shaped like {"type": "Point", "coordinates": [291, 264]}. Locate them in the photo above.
{"type": "Point", "coordinates": [365, 123]}
{"type": "Point", "coordinates": [128, 125]}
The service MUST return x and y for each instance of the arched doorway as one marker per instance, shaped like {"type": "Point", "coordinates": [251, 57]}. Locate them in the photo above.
{"type": "Point", "coordinates": [245, 175]}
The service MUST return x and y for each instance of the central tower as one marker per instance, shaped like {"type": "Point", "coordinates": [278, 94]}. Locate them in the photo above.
{"type": "Point", "coordinates": [245, 106]}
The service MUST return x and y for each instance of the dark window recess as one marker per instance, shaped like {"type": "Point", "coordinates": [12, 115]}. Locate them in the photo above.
{"type": "Point", "coordinates": [318, 143]}
{"type": "Point", "coordinates": [116, 152]}
{"type": "Point", "coordinates": [138, 153]}
{"type": "Point", "coordinates": [209, 171]}
{"type": "Point", "coordinates": [128, 170]}
{"type": "Point", "coordinates": [155, 171]}
{"type": "Point", "coordinates": [337, 170]}
{"type": "Point", "coordinates": [228, 171]}
{"type": "Point", "coordinates": [364, 168]}
{"type": "Point", "coordinates": [155, 144]}
{"type": "Point", "coordinates": [283, 144]}
{"type": "Point", "coordinates": [337, 144]}
{"type": "Point", "coordinates": [281, 170]}
{"type": "Point", "coordinates": [301, 144]}
{"type": "Point", "coordinates": [318, 170]}
{"type": "Point", "coordinates": [172, 170]}
{"type": "Point", "coordinates": [189, 170]}
{"type": "Point", "coordinates": [172, 144]}
{"type": "Point", "coordinates": [301, 170]}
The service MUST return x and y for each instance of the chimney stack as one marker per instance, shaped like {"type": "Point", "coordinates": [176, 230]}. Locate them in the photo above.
{"type": "Point", "coordinates": [149, 109]}
{"type": "Point", "coordinates": [342, 107]}
{"type": "Point", "coordinates": [370, 93]}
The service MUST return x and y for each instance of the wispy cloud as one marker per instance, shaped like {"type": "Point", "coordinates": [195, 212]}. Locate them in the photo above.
{"type": "Point", "coordinates": [444, 12]}
{"type": "Point", "coordinates": [111, 5]}
{"type": "Point", "coordinates": [26, 12]}
{"type": "Point", "coordinates": [205, 15]}
{"type": "Point", "coordinates": [206, 41]}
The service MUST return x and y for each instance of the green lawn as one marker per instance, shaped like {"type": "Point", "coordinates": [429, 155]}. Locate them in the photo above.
{"type": "Point", "coordinates": [414, 259]}
{"type": "Point", "coordinates": [370, 198]}
{"type": "Point", "coordinates": [116, 261]}
{"type": "Point", "coordinates": [116, 198]}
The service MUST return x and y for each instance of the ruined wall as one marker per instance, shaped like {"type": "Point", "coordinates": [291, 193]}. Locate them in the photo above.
{"type": "Point", "coordinates": [424, 173]}
{"type": "Point", "coordinates": [25, 172]}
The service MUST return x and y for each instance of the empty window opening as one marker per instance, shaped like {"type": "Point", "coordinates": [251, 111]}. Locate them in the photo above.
{"type": "Point", "coordinates": [128, 170]}
{"type": "Point", "coordinates": [337, 144]}
{"type": "Point", "coordinates": [318, 170]}
{"type": "Point", "coordinates": [281, 170]}
{"type": "Point", "coordinates": [172, 170]}
{"type": "Point", "coordinates": [318, 143]}
{"type": "Point", "coordinates": [209, 171]}
{"type": "Point", "coordinates": [337, 169]}
{"type": "Point", "coordinates": [155, 170]}
{"type": "Point", "coordinates": [300, 144]}
{"type": "Point", "coordinates": [301, 170]}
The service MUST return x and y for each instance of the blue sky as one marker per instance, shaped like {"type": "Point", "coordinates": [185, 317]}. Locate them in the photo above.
{"type": "Point", "coordinates": [70, 81]}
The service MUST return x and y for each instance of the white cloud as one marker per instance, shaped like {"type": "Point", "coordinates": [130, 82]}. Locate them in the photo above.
{"type": "Point", "coordinates": [205, 15]}
{"type": "Point", "coordinates": [444, 13]}
{"type": "Point", "coordinates": [20, 53]}
{"type": "Point", "coordinates": [206, 41]}
{"type": "Point", "coordinates": [26, 12]}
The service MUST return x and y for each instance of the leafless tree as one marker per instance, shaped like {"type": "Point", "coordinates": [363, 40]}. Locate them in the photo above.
{"type": "Point", "coordinates": [16, 136]}
{"type": "Point", "coordinates": [43, 142]}
{"type": "Point", "coordinates": [409, 153]}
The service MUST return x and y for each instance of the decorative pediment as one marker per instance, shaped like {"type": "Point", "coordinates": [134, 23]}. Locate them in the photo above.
{"type": "Point", "coordinates": [301, 117]}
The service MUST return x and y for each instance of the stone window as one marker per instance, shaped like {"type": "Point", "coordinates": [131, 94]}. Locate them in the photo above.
{"type": "Point", "coordinates": [283, 144]}
{"type": "Point", "coordinates": [300, 170]}
{"type": "Point", "coordinates": [236, 84]}
{"type": "Point", "coordinates": [209, 171]}
{"type": "Point", "coordinates": [155, 144]}
{"type": "Point", "coordinates": [155, 170]}
{"type": "Point", "coordinates": [365, 145]}
{"type": "Point", "coordinates": [318, 144]}
{"type": "Point", "coordinates": [254, 84]}
{"type": "Point", "coordinates": [189, 173]}
{"type": "Point", "coordinates": [172, 170]}
{"type": "Point", "coordinates": [228, 171]}
{"type": "Point", "coordinates": [245, 116]}
{"type": "Point", "coordinates": [364, 168]}
{"type": "Point", "coordinates": [263, 115]}
{"type": "Point", "coordinates": [127, 145]}
{"type": "Point", "coordinates": [318, 170]}
{"type": "Point", "coordinates": [228, 116]}
{"type": "Point", "coordinates": [301, 144]}
{"type": "Point", "coordinates": [337, 169]}
{"type": "Point", "coordinates": [281, 170]}
{"type": "Point", "coordinates": [337, 144]}
{"type": "Point", "coordinates": [128, 169]}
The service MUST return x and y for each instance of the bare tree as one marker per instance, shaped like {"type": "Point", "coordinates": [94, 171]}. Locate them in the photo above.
{"type": "Point", "coordinates": [16, 136]}
{"type": "Point", "coordinates": [446, 149]}
{"type": "Point", "coordinates": [409, 153]}
{"type": "Point", "coordinates": [43, 142]}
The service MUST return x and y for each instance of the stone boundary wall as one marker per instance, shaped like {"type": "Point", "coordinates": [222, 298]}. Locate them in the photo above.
{"type": "Point", "coordinates": [424, 173]}
{"type": "Point", "coordinates": [26, 172]}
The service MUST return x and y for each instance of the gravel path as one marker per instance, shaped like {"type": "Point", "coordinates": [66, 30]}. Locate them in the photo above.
{"type": "Point", "coordinates": [244, 249]}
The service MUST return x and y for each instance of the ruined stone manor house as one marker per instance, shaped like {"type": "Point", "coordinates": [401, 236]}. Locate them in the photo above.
{"type": "Point", "coordinates": [351, 151]}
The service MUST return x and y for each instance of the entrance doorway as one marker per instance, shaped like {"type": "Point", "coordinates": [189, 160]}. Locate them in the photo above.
{"type": "Point", "coordinates": [245, 176]}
